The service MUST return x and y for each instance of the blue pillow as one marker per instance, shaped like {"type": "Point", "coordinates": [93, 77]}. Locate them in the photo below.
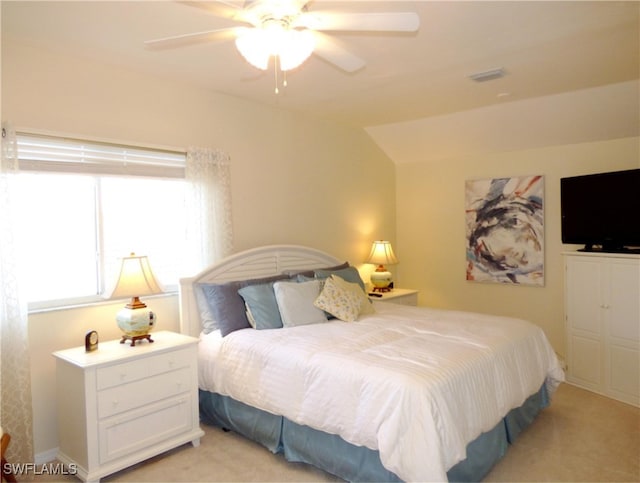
{"type": "Point", "coordinates": [227, 306]}
{"type": "Point", "coordinates": [261, 302]}
{"type": "Point", "coordinates": [350, 274]}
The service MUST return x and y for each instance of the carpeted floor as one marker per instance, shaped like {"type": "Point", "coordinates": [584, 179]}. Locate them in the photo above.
{"type": "Point", "coordinates": [580, 437]}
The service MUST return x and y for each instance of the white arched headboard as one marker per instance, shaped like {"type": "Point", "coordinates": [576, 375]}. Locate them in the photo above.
{"type": "Point", "coordinates": [254, 263]}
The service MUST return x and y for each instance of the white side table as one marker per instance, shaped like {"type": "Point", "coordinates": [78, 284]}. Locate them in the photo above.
{"type": "Point", "coordinates": [120, 405]}
{"type": "Point", "coordinates": [402, 296]}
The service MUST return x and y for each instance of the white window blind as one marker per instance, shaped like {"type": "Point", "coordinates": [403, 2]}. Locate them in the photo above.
{"type": "Point", "coordinates": [47, 153]}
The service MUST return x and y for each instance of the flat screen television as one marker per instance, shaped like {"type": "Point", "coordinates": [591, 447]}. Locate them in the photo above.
{"type": "Point", "coordinates": [602, 211]}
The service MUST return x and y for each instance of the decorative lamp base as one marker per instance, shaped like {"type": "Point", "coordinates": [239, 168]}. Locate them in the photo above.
{"type": "Point", "coordinates": [381, 289]}
{"type": "Point", "coordinates": [135, 338]}
{"type": "Point", "coordinates": [381, 279]}
{"type": "Point", "coordinates": [135, 324]}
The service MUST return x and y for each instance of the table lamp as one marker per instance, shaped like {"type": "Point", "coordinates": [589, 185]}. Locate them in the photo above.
{"type": "Point", "coordinates": [381, 255]}
{"type": "Point", "coordinates": [135, 278]}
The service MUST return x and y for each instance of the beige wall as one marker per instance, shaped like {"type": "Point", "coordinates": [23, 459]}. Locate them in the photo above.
{"type": "Point", "coordinates": [294, 179]}
{"type": "Point", "coordinates": [431, 230]}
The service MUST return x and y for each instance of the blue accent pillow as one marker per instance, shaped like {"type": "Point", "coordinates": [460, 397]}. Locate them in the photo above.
{"type": "Point", "coordinates": [227, 306]}
{"type": "Point", "coordinates": [262, 304]}
{"type": "Point", "coordinates": [350, 274]}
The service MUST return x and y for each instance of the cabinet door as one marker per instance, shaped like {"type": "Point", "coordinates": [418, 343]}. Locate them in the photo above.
{"type": "Point", "coordinates": [584, 321]}
{"type": "Point", "coordinates": [623, 330]}
{"type": "Point", "coordinates": [623, 300]}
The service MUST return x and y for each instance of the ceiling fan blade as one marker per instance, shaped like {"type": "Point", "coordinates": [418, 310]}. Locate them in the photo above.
{"type": "Point", "coordinates": [328, 49]}
{"type": "Point", "coordinates": [190, 39]}
{"type": "Point", "coordinates": [371, 22]}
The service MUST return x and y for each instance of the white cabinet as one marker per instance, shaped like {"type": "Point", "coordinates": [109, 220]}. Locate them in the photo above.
{"type": "Point", "coordinates": [403, 296]}
{"type": "Point", "coordinates": [120, 404]}
{"type": "Point", "coordinates": [602, 311]}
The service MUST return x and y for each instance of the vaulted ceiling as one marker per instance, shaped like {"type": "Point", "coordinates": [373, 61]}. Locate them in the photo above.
{"type": "Point", "coordinates": [545, 48]}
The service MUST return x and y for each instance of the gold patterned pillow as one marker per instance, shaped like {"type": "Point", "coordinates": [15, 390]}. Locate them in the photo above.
{"type": "Point", "coordinates": [342, 299]}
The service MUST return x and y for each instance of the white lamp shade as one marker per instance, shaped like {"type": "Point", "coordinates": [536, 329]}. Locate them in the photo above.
{"type": "Point", "coordinates": [382, 253]}
{"type": "Point", "coordinates": [135, 278]}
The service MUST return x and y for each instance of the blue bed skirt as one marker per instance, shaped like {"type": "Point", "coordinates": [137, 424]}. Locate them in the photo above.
{"type": "Point", "coordinates": [357, 463]}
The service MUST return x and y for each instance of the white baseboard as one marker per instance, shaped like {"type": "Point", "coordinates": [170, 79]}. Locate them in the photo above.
{"type": "Point", "coordinates": [45, 456]}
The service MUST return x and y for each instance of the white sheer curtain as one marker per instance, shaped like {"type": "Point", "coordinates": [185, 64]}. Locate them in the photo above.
{"type": "Point", "coordinates": [208, 173]}
{"type": "Point", "coordinates": [15, 378]}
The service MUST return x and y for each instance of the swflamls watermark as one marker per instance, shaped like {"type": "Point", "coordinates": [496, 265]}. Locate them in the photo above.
{"type": "Point", "coordinates": [22, 469]}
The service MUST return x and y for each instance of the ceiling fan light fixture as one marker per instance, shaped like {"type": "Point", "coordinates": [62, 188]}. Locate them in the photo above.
{"type": "Point", "coordinates": [274, 38]}
{"type": "Point", "coordinates": [251, 44]}
{"type": "Point", "coordinates": [297, 49]}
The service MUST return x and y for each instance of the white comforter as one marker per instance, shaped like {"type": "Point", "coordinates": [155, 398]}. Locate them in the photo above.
{"type": "Point", "coordinates": [416, 384]}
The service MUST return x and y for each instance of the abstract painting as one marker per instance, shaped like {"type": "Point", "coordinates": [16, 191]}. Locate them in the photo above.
{"type": "Point", "coordinates": [505, 230]}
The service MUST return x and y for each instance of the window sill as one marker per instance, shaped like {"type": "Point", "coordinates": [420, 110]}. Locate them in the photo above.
{"type": "Point", "coordinates": [94, 302]}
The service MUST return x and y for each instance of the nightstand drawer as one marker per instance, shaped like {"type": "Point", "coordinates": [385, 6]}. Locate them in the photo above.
{"type": "Point", "coordinates": [121, 398]}
{"type": "Point", "coordinates": [140, 369]}
{"type": "Point", "coordinates": [123, 435]}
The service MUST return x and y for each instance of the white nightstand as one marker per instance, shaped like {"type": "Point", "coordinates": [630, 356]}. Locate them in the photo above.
{"type": "Point", "coordinates": [403, 296]}
{"type": "Point", "coordinates": [120, 405]}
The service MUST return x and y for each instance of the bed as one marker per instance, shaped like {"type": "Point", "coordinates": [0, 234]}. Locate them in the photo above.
{"type": "Point", "coordinates": [396, 393]}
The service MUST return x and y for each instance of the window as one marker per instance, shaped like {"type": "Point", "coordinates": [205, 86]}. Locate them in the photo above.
{"type": "Point", "coordinates": [83, 205]}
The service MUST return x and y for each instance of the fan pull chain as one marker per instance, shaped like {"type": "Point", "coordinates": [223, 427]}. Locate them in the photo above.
{"type": "Point", "coordinates": [275, 74]}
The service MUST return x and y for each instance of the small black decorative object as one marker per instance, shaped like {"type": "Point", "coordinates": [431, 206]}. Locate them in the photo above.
{"type": "Point", "coordinates": [91, 341]}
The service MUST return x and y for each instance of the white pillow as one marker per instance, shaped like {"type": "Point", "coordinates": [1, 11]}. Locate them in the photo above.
{"type": "Point", "coordinates": [295, 302]}
{"type": "Point", "coordinates": [342, 299]}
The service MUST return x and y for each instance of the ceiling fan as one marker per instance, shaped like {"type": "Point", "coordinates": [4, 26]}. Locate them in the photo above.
{"type": "Point", "coordinates": [289, 31]}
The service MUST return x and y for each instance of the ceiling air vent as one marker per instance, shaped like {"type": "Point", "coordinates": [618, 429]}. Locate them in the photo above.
{"type": "Point", "coordinates": [488, 75]}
